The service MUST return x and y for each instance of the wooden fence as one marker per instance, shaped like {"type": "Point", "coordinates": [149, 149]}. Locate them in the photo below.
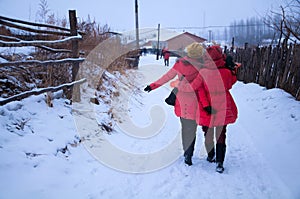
{"type": "Point", "coordinates": [271, 67]}
{"type": "Point", "coordinates": [67, 38]}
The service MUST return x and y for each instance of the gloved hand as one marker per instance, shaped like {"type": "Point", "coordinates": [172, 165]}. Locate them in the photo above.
{"type": "Point", "coordinates": [210, 110]}
{"type": "Point", "coordinates": [147, 89]}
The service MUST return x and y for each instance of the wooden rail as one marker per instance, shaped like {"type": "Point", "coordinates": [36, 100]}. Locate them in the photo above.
{"type": "Point", "coordinates": [37, 24]}
{"type": "Point", "coordinates": [43, 63]}
{"type": "Point", "coordinates": [26, 94]}
{"type": "Point", "coordinates": [70, 37]}
{"type": "Point", "coordinates": [22, 43]}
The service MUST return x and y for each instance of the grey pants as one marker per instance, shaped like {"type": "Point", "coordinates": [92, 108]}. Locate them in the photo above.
{"type": "Point", "coordinates": [188, 134]}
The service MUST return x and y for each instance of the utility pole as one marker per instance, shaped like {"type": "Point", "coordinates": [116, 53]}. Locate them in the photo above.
{"type": "Point", "coordinates": [137, 25]}
{"type": "Point", "coordinates": [157, 54]}
{"type": "Point", "coordinates": [204, 29]}
{"type": "Point", "coordinates": [209, 36]}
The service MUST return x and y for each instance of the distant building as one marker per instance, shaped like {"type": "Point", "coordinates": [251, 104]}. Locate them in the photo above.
{"type": "Point", "coordinates": [175, 42]}
{"type": "Point", "coordinates": [179, 42]}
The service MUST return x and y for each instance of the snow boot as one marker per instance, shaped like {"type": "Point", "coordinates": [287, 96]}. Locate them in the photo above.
{"type": "Point", "coordinates": [210, 159]}
{"type": "Point", "coordinates": [188, 160]}
{"type": "Point", "coordinates": [219, 168]}
{"type": "Point", "coordinates": [188, 154]}
{"type": "Point", "coordinates": [220, 156]}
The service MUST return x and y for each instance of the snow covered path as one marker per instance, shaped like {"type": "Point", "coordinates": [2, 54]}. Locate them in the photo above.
{"type": "Point", "coordinates": [261, 159]}
{"type": "Point", "coordinates": [250, 173]}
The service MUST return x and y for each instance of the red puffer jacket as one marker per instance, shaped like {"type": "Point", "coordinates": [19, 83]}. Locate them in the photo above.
{"type": "Point", "coordinates": [186, 102]}
{"type": "Point", "coordinates": [213, 84]}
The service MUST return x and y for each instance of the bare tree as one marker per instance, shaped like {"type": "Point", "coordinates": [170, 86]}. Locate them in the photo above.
{"type": "Point", "coordinates": [43, 11]}
{"type": "Point", "coordinates": [286, 21]}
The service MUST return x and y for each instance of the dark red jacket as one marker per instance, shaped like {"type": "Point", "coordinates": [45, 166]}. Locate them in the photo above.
{"type": "Point", "coordinates": [212, 85]}
{"type": "Point", "coordinates": [186, 102]}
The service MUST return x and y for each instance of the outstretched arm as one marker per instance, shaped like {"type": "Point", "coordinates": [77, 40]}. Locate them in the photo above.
{"type": "Point", "coordinates": [164, 79]}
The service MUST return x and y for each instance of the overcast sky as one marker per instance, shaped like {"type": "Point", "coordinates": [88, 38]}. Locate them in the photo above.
{"type": "Point", "coordinates": [119, 14]}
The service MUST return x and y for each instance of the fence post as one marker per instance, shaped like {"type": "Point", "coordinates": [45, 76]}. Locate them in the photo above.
{"type": "Point", "coordinates": [232, 45]}
{"type": "Point", "coordinates": [75, 54]}
{"type": "Point", "coordinates": [225, 49]}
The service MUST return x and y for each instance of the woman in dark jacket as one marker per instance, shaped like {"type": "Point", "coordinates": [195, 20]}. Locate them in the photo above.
{"type": "Point", "coordinates": [186, 102]}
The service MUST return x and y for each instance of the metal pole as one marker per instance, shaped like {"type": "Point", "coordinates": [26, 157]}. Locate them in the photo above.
{"type": "Point", "coordinates": [157, 54]}
{"type": "Point", "coordinates": [209, 36]}
{"type": "Point", "coordinates": [137, 25]}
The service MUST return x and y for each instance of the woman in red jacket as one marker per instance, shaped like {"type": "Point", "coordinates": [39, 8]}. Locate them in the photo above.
{"type": "Point", "coordinates": [166, 54]}
{"type": "Point", "coordinates": [186, 102]}
{"type": "Point", "coordinates": [216, 105]}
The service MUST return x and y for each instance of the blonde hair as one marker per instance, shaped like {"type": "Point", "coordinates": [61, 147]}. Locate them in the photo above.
{"type": "Point", "coordinates": [195, 50]}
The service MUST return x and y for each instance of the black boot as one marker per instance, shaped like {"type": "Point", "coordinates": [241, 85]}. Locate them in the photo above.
{"type": "Point", "coordinates": [211, 158]}
{"type": "Point", "coordinates": [219, 168]}
{"type": "Point", "coordinates": [188, 160]}
{"type": "Point", "coordinates": [188, 154]}
{"type": "Point", "coordinates": [220, 156]}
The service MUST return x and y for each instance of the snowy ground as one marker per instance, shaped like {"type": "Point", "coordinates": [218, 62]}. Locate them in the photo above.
{"type": "Point", "coordinates": [41, 156]}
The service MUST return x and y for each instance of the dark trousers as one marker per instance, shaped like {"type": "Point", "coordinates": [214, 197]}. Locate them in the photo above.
{"type": "Point", "coordinates": [188, 134]}
{"type": "Point", "coordinates": [219, 133]}
{"type": "Point", "coordinates": [210, 132]}
{"type": "Point", "coordinates": [166, 62]}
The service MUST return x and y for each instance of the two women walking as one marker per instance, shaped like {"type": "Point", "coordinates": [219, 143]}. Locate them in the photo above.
{"type": "Point", "coordinates": [216, 106]}
{"type": "Point", "coordinates": [203, 99]}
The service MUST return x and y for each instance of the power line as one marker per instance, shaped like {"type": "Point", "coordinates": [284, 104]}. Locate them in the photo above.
{"type": "Point", "coordinates": [207, 27]}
